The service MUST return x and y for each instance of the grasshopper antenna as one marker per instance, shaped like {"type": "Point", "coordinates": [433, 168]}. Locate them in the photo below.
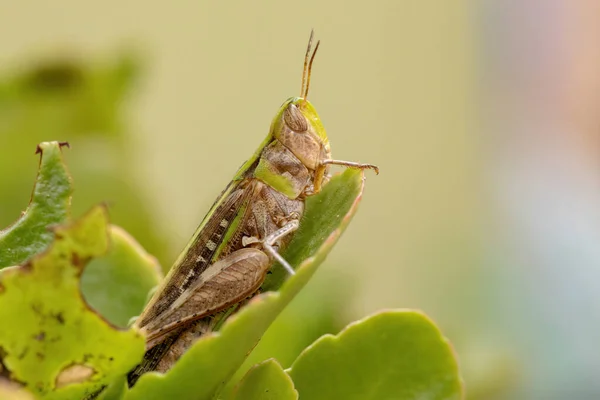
{"type": "Point", "coordinates": [305, 69]}
{"type": "Point", "coordinates": [312, 58]}
{"type": "Point", "coordinates": [308, 60]}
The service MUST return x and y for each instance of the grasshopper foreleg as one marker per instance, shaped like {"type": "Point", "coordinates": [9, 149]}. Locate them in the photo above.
{"type": "Point", "coordinates": [321, 177]}
{"type": "Point", "coordinates": [273, 238]}
{"type": "Point", "coordinates": [351, 164]}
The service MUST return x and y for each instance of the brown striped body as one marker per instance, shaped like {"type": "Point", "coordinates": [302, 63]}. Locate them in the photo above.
{"type": "Point", "coordinates": [239, 240]}
{"type": "Point", "coordinates": [224, 265]}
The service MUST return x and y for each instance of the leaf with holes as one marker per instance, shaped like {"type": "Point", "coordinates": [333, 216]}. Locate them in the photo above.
{"type": "Point", "coordinates": [62, 349]}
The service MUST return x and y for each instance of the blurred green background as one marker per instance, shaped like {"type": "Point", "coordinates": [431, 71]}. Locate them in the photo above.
{"type": "Point", "coordinates": [481, 115]}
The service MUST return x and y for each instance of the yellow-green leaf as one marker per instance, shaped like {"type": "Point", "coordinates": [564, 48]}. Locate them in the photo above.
{"type": "Point", "coordinates": [49, 205]}
{"type": "Point", "coordinates": [51, 341]}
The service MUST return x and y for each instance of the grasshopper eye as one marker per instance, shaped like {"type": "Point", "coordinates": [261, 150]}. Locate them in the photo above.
{"type": "Point", "coordinates": [294, 119]}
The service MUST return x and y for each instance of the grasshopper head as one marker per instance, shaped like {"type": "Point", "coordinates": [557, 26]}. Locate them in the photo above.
{"type": "Point", "coordinates": [298, 127]}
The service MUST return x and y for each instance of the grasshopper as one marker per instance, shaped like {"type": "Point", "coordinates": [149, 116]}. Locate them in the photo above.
{"type": "Point", "coordinates": [242, 235]}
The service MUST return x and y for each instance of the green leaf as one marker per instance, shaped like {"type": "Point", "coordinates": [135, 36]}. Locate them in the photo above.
{"type": "Point", "coordinates": [49, 205]}
{"type": "Point", "coordinates": [392, 355]}
{"type": "Point", "coordinates": [58, 347]}
{"type": "Point", "coordinates": [127, 269]}
{"type": "Point", "coordinates": [117, 284]}
{"type": "Point", "coordinates": [266, 381]}
{"type": "Point", "coordinates": [214, 358]}
{"type": "Point", "coordinates": [318, 309]}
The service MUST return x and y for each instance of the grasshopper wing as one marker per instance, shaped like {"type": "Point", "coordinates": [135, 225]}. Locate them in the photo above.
{"type": "Point", "coordinates": [203, 248]}
{"type": "Point", "coordinates": [224, 283]}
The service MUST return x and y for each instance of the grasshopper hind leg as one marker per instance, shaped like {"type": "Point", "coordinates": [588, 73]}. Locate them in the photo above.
{"type": "Point", "coordinates": [201, 308]}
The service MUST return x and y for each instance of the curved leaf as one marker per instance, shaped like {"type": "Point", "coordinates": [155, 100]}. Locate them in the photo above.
{"type": "Point", "coordinates": [57, 346]}
{"type": "Point", "coordinates": [49, 205]}
{"type": "Point", "coordinates": [266, 381]}
{"type": "Point", "coordinates": [210, 363]}
{"type": "Point", "coordinates": [392, 355]}
{"type": "Point", "coordinates": [117, 284]}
